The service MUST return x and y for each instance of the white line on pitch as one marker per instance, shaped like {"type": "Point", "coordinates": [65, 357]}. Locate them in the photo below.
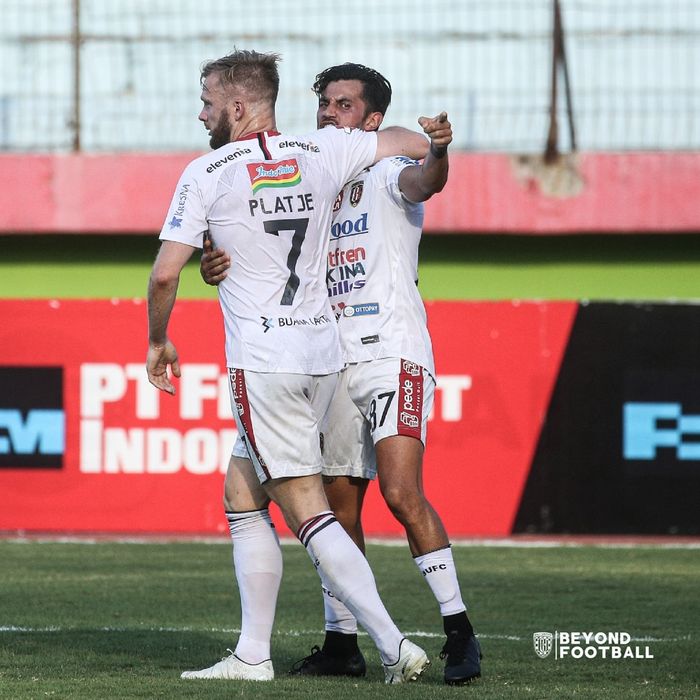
{"type": "Point", "coordinates": [290, 633]}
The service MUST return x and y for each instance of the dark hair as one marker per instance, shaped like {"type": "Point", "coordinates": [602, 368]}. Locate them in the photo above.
{"type": "Point", "coordinates": [255, 72]}
{"type": "Point", "coordinates": [376, 89]}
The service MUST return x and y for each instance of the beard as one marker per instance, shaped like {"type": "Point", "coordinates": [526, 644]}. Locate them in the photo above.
{"type": "Point", "coordinates": [221, 135]}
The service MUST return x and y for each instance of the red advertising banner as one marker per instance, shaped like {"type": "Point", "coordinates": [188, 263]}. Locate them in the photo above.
{"type": "Point", "coordinates": [87, 445]}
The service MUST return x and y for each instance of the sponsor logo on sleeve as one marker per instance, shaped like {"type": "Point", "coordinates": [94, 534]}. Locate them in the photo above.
{"type": "Point", "coordinates": [176, 221]}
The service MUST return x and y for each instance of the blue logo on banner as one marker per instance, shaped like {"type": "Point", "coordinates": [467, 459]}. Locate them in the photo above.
{"type": "Point", "coordinates": [42, 431]}
{"type": "Point", "coordinates": [649, 426]}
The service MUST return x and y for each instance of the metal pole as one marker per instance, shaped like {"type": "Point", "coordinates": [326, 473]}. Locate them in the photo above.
{"type": "Point", "coordinates": [552, 149]}
{"type": "Point", "coordinates": [567, 83]}
{"type": "Point", "coordinates": [75, 39]}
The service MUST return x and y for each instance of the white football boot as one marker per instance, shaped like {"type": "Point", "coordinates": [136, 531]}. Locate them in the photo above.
{"type": "Point", "coordinates": [233, 669]}
{"type": "Point", "coordinates": [412, 662]}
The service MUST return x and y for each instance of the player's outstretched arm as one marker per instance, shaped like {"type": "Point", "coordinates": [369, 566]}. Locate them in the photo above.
{"type": "Point", "coordinates": [162, 292]}
{"type": "Point", "coordinates": [397, 141]}
{"type": "Point", "coordinates": [420, 182]}
{"type": "Point", "coordinates": [214, 263]}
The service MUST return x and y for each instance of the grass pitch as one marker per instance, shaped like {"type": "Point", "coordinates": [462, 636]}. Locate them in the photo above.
{"type": "Point", "coordinates": [122, 620]}
{"type": "Point", "coordinates": [475, 267]}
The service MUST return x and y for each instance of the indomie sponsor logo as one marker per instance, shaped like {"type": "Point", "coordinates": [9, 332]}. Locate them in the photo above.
{"type": "Point", "coordinates": [285, 173]}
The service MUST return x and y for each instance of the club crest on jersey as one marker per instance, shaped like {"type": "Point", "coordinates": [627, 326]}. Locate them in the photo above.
{"type": "Point", "coordinates": [283, 173]}
{"type": "Point", "coordinates": [338, 202]}
{"type": "Point", "coordinates": [356, 193]}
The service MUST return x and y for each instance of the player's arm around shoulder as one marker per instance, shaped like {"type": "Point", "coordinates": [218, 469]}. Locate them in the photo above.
{"type": "Point", "coordinates": [420, 182]}
{"type": "Point", "coordinates": [397, 141]}
{"type": "Point", "coordinates": [214, 263]}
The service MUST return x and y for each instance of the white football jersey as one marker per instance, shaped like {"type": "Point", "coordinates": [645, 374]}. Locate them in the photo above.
{"type": "Point", "coordinates": [267, 201]}
{"type": "Point", "coordinates": [373, 269]}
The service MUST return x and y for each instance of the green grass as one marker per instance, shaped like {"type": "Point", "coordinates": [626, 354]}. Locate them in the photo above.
{"type": "Point", "coordinates": [121, 620]}
{"type": "Point", "coordinates": [479, 267]}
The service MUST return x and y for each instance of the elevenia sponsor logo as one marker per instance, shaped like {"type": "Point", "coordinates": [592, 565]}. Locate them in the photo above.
{"type": "Point", "coordinates": [588, 645]}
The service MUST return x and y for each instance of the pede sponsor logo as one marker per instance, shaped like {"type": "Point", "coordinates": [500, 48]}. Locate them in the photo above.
{"type": "Point", "coordinates": [588, 645]}
{"type": "Point", "coordinates": [410, 399]}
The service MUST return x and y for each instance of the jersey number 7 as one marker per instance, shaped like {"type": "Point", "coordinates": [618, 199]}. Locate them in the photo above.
{"type": "Point", "coordinates": [299, 227]}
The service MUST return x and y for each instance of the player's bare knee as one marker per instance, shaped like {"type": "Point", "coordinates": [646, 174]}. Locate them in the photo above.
{"type": "Point", "coordinates": [405, 505]}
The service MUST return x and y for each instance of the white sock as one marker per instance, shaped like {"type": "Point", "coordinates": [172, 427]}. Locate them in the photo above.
{"type": "Point", "coordinates": [257, 561]}
{"type": "Point", "coordinates": [344, 571]}
{"type": "Point", "coordinates": [338, 617]}
{"type": "Point", "coordinates": [439, 571]}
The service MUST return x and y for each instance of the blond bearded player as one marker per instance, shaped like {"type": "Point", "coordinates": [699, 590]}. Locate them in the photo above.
{"type": "Point", "coordinates": [267, 200]}
{"type": "Point", "coordinates": [377, 421]}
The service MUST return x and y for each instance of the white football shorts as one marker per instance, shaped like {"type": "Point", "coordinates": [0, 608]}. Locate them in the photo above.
{"type": "Point", "coordinates": [279, 416]}
{"type": "Point", "coordinates": [374, 400]}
